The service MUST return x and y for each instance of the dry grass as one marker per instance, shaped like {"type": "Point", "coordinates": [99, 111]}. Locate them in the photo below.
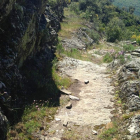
{"type": "Point", "coordinates": [35, 117]}
{"type": "Point", "coordinates": [70, 23]}
{"type": "Point", "coordinates": [78, 133]}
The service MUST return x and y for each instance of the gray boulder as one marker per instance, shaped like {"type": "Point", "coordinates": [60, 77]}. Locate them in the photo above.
{"type": "Point", "coordinates": [130, 88]}
{"type": "Point", "coordinates": [134, 126]}
{"type": "Point", "coordinates": [128, 78]}
{"type": "Point", "coordinates": [3, 126]}
{"type": "Point", "coordinates": [130, 71]}
{"type": "Point", "coordinates": [133, 103]}
{"type": "Point", "coordinates": [80, 40]}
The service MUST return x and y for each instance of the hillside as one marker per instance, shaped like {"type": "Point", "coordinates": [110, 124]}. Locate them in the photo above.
{"type": "Point", "coordinates": [69, 70]}
{"type": "Point", "coordinates": [127, 3]}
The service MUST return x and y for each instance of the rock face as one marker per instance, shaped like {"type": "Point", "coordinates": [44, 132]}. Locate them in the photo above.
{"type": "Point", "coordinates": [79, 41]}
{"type": "Point", "coordinates": [129, 83]}
{"type": "Point", "coordinates": [134, 126]}
{"type": "Point", "coordinates": [128, 78]}
{"type": "Point", "coordinates": [3, 126]}
{"type": "Point", "coordinates": [28, 34]}
{"type": "Point", "coordinates": [130, 93]}
{"type": "Point", "coordinates": [130, 71]}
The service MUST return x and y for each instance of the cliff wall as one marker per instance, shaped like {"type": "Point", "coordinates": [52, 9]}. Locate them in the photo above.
{"type": "Point", "coordinates": [28, 35]}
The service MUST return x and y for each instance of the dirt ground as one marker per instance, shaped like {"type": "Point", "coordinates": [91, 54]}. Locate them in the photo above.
{"type": "Point", "coordinates": [94, 107]}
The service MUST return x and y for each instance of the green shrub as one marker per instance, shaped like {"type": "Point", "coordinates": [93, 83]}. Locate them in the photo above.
{"type": "Point", "coordinates": [107, 58]}
{"type": "Point", "coordinates": [94, 35]}
{"type": "Point", "coordinates": [115, 30]}
{"type": "Point", "coordinates": [108, 134]}
{"type": "Point", "coordinates": [138, 39]}
{"type": "Point", "coordinates": [74, 6]}
{"type": "Point", "coordinates": [52, 2]}
{"type": "Point", "coordinates": [122, 59]}
{"type": "Point", "coordinates": [73, 52]}
{"type": "Point", "coordinates": [59, 48]}
{"type": "Point", "coordinates": [128, 47]}
{"type": "Point", "coordinates": [59, 81]}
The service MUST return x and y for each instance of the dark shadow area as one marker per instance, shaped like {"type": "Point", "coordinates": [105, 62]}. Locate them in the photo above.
{"type": "Point", "coordinates": [28, 34]}
{"type": "Point", "coordinates": [38, 79]}
{"type": "Point", "coordinates": [33, 81]}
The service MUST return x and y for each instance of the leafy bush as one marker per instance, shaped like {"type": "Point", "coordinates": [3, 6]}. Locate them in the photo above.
{"type": "Point", "coordinates": [82, 4]}
{"type": "Point", "coordinates": [133, 37]}
{"type": "Point", "coordinates": [122, 59]}
{"type": "Point", "coordinates": [119, 28]}
{"type": "Point", "coordinates": [94, 35]}
{"type": "Point", "coordinates": [73, 52]}
{"type": "Point", "coordinates": [138, 39]}
{"type": "Point", "coordinates": [114, 55]}
{"type": "Point", "coordinates": [128, 47]}
{"type": "Point", "coordinates": [108, 134]}
{"type": "Point", "coordinates": [60, 81]}
{"type": "Point", "coordinates": [33, 118]}
{"type": "Point", "coordinates": [127, 4]}
{"type": "Point", "coordinates": [60, 48]}
{"type": "Point", "coordinates": [115, 29]}
{"type": "Point", "coordinates": [74, 6]}
{"type": "Point", "coordinates": [107, 58]}
{"type": "Point", "coordinates": [52, 2]}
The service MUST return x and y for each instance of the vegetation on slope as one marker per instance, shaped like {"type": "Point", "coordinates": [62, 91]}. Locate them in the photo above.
{"type": "Point", "coordinates": [128, 5]}
{"type": "Point", "coordinates": [110, 21]}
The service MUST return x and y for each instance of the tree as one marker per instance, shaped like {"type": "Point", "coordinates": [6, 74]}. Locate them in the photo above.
{"type": "Point", "coordinates": [115, 29]}
{"type": "Point", "coordinates": [131, 9]}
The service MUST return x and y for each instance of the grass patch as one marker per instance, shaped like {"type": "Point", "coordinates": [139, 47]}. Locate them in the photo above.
{"type": "Point", "coordinates": [35, 116]}
{"type": "Point", "coordinates": [129, 48]}
{"type": "Point", "coordinates": [70, 23]}
{"type": "Point", "coordinates": [108, 134]}
{"type": "Point", "coordinates": [71, 135]}
{"type": "Point", "coordinates": [124, 3]}
{"type": "Point", "coordinates": [107, 58]}
{"type": "Point", "coordinates": [106, 46]}
{"type": "Point", "coordinates": [60, 81]}
{"type": "Point", "coordinates": [127, 116]}
{"type": "Point", "coordinates": [73, 52]}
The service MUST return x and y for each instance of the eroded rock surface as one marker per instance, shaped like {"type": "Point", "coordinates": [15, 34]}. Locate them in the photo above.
{"type": "Point", "coordinates": [128, 78]}
{"type": "Point", "coordinates": [80, 40]}
{"type": "Point", "coordinates": [134, 126]}
{"type": "Point", "coordinates": [94, 106]}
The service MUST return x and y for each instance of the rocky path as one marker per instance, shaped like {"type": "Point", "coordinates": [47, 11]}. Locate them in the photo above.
{"type": "Point", "coordinates": [94, 106]}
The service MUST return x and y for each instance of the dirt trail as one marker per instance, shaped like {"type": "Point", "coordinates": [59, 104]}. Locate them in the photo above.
{"type": "Point", "coordinates": [94, 107]}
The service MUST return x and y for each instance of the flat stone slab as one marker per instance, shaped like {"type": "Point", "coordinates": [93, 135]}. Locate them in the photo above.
{"type": "Point", "coordinates": [53, 138]}
{"type": "Point", "coordinates": [136, 54]}
{"type": "Point", "coordinates": [57, 119]}
{"type": "Point", "coordinates": [66, 92]}
{"type": "Point", "coordinates": [65, 123]}
{"type": "Point", "coordinates": [74, 98]}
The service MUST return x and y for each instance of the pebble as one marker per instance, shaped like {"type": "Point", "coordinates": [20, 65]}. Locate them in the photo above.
{"type": "Point", "coordinates": [69, 105]}
{"type": "Point", "coordinates": [94, 132]}
{"type": "Point", "coordinates": [74, 98]}
{"type": "Point", "coordinates": [65, 123]}
{"type": "Point", "coordinates": [86, 81]}
{"type": "Point", "coordinates": [57, 119]}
